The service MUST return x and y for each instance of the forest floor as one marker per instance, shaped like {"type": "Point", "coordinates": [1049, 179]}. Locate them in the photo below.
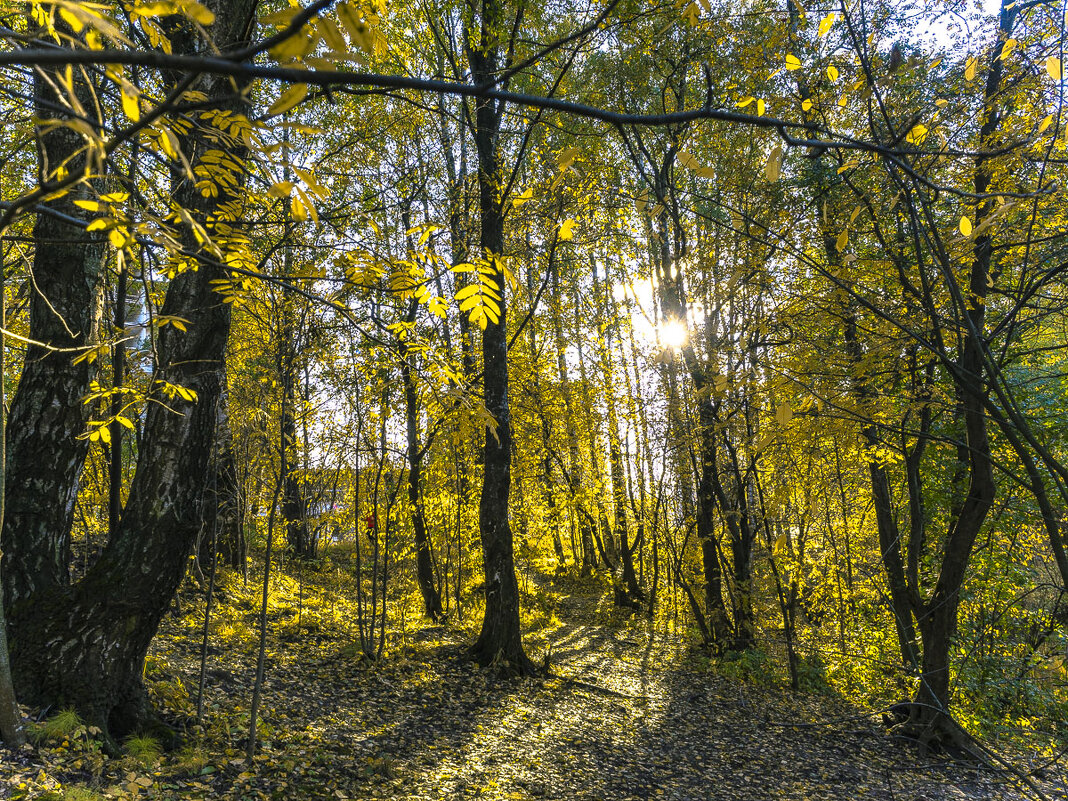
{"type": "Point", "coordinates": [627, 713]}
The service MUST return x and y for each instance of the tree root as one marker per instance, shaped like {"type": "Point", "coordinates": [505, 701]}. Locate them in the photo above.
{"type": "Point", "coordinates": [936, 732]}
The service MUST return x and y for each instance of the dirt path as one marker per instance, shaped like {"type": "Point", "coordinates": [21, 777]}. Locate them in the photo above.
{"type": "Point", "coordinates": [621, 719]}
{"type": "Point", "coordinates": [625, 716]}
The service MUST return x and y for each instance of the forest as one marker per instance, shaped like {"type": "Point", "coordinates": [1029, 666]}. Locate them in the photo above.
{"type": "Point", "coordinates": [585, 399]}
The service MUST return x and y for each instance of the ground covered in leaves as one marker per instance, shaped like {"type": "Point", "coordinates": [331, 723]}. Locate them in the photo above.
{"type": "Point", "coordinates": [627, 713]}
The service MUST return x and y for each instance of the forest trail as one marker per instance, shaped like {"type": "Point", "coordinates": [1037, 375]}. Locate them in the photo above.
{"type": "Point", "coordinates": [629, 712]}
{"type": "Point", "coordinates": [623, 717]}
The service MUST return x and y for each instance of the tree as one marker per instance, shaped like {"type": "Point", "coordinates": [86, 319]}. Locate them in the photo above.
{"type": "Point", "coordinates": [83, 645]}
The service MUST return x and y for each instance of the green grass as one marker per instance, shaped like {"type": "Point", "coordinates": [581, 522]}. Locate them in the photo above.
{"type": "Point", "coordinates": [61, 726]}
{"type": "Point", "coordinates": [144, 749]}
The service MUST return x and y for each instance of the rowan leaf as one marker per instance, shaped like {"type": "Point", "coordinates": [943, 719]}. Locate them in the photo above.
{"type": "Point", "coordinates": [131, 107]}
{"type": "Point", "coordinates": [288, 99]}
{"type": "Point", "coordinates": [917, 134]}
{"type": "Point", "coordinates": [825, 24]}
{"type": "Point", "coordinates": [774, 165]}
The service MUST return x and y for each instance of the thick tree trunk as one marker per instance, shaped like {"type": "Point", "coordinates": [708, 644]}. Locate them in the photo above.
{"type": "Point", "coordinates": [11, 728]}
{"type": "Point", "coordinates": [45, 455]}
{"type": "Point", "coordinates": [85, 645]}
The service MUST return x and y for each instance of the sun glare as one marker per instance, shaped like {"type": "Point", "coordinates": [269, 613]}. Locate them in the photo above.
{"type": "Point", "coordinates": [673, 334]}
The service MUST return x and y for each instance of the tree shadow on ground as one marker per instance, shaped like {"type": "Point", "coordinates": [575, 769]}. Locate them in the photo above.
{"type": "Point", "coordinates": [628, 717]}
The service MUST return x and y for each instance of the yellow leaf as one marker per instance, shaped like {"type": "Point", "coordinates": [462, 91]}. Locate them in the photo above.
{"type": "Point", "coordinates": [281, 189]}
{"type": "Point", "coordinates": [970, 67]}
{"type": "Point", "coordinates": [154, 9]}
{"type": "Point", "coordinates": [941, 102]}
{"type": "Point", "coordinates": [519, 200]}
{"type": "Point", "coordinates": [331, 34]}
{"type": "Point", "coordinates": [842, 241]}
{"type": "Point", "coordinates": [745, 101]}
{"type": "Point", "coordinates": [352, 19]}
{"type": "Point", "coordinates": [784, 414]}
{"type": "Point", "coordinates": [1048, 121]}
{"type": "Point", "coordinates": [793, 62]}
{"type": "Point", "coordinates": [806, 105]}
{"type": "Point", "coordinates": [566, 157]}
{"type": "Point", "coordinates": [1053, 67]}
{"type": "Point", "coordinates": [88, 205]}
{"type": "Point", "coordinates": [780, 543]}
{"type": "Point", "coordinates": [168, 143]}
{"type": "Point", "coordinates": [309, 206]}
{"type": "Point", "coordinates": [567, 230]}
{"type": "Point", "coordinates": [298, 211]}
{"type": "Point", "coordinates": [75, 23]}
{"type": "Point", "coordinates": [774, 165]}
{"type": "Point", "coordinates": [760, 108]}
{"type": "Point", "coordinates": [197, 12]}
{"type": "Point", "coordinates": [1007, 48]}
{"type": "Point", "coordinates": [917, 135]}
{"type": "Point", "coordinates": [687, 160]}
{"type": "Point", "coordinates": [130, 107]}
{"type": "Point", "coordinates": [290, 97]}
{"type": "Point", "coordinates": [832, 73]}
{"type": "Point", "coordinates": [826, 23]}
{"type": "Point", "coordinates": [965, 226]}
{"type": "Point", "coordinates": [296, 46]}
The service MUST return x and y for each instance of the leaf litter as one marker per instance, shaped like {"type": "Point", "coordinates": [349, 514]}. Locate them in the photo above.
{"type": "Point", "coordinates": [626, 713]}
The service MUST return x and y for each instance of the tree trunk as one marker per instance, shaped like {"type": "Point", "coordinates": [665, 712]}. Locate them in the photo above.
{"type": "Point", "coordinates": [45, 454]}
{"type": "Point", "coordinates": [85, 645]}
{"type": "Point", "coordinates": [499, 642]}
{"type": "Point", "coordinates": [424, 565]}
{"type": "Point", "coordinates": [223, 503]}
{"type": "Point", "coordinates": [11, 728]}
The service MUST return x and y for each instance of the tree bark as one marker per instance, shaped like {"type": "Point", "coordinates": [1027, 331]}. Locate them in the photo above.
{"type": "Point", "coordinates": [223, 503]}
{"type": "Point", "coordinates": [424, 565]}
{"type": "Point", "coordinates": [499, 642]}
{"type": "Point", "coordinates": [85, 645]}
{"type": "Point", "coordinates": [45, 454]}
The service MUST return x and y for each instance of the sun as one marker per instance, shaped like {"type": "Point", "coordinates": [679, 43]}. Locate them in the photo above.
{"type": "Point", "coordinates": [673, 334]}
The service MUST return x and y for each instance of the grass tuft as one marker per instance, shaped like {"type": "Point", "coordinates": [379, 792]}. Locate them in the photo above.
{"type": "Point", "coordinates": [61, 726]}
{"type": "Point", "coordinates": [144, 749]}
